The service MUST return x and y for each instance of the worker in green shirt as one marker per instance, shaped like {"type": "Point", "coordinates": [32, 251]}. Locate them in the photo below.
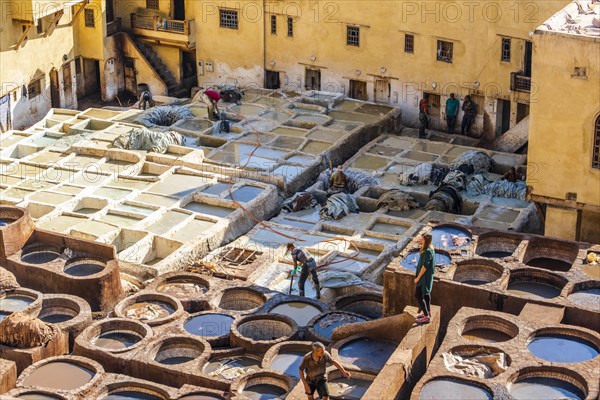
{"type": "Point", "coordinates": [424, 278]}
{"type": "Point", "coordinates": [451, 112]}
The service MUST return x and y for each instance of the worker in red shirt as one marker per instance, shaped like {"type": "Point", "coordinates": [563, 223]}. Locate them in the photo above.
{"type": "Point", "coordinates": [423, 115]}
{"type": "Point", "coordinates": [211, 98]}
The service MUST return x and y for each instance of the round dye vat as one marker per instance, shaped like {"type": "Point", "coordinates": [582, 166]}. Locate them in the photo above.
{"type": "Point", "coordinates": [496, 254]}
{"type": "Point", "coordinates": [15, 303]}
{"type": "Point", "coordinates": [115, 340]}
{"type": "Point", "coordinates": [350, 389]}
{"type": "Point", "coordinates": [182, 288]}
{"type": "Point", "coordinates": [131, 394]}
{"type": "Point", "coordinates": [533, 290]}
{"type": "Point", "coordinates": [59, 375]}
{"type": "Point", "coordinates": [56, 318]}
{"type": "Point", "coordinates": [562, 348]}
{"type": "Point", "coordinates": [40, 257]}
{"type": "Point", "coordinates": [288, 362]}
{"type": "Point", "coordinates": [231, 368]}
{"type": "Point", "coordinates": [264, 392]}
{"type": "Point", "coordinates": [544, 388]}
{"type": "Point", "coordinates": [209, 325]}
{"type": "Point", "coordinates": [148, 310]}
{"type": "Point", "coordinates": [450, 389]}
{"type": "Point", "coordinates": [36, 396]}
{"type": "Point", "coordinates": [324, 327]}
{"type": "Point", "coordinates": [447, 237]}
{"type": "Point", "coordinates": [367, 353]}
{"type": "Point", "coordinates": [83, 269]}
{"type": "Point", "coordinates": [300, 312]}
{"type": "Point", "coordinates": [176, 360]}
{"type": "Point", "coordinates": [200, 396]}
{"type": "Point", "coordinates": [587, 298]}
{"type": "Point", "coordinates": [549, 263]}
{"type": "Point", "coordinates": [412, 260]}
{"type": "Point", "coordinates": [486, 335]}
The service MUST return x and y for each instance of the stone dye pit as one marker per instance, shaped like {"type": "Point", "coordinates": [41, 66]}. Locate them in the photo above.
{"type": "Point", "coordinates": [191, 296]}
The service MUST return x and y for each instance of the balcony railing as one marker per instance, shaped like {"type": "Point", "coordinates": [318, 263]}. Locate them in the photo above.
{"type": "Point", "coordinates": [520, 83]}
{"type": "Point", "coordinates": [156, 23]}
{"type": "Point", "coordinates": [113, 27]}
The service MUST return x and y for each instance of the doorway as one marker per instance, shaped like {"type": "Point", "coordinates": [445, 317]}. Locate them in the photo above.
{"type": "Point", "coordinates": [179, 10]}
{"type": "Point", "coordinates": [67, 85]}
{"type": "Point", "coordinates": [312, 79]}
{"type": "Point", "coordinates": [382, 90]}
{"type": "Point", "coordinates": [527, 59]}
{"type": "Point", "coordinates": [91, 71]}
{"type": "Point", "coordinates": [110, 11]}
{"type": "Point", "coordinates": [54, 90]}
{"type": "Point", "coordinates": [522, 111]}
{"type": "Point", "coordinates": [358, 90]}
{"type": "Point", "coordinates": [79, 80]}
{"type": "Point", "coordinates": [272, 80]}
{"type": "Point", "coordinates": [130, 79]}
{"type": "Point", "coordinates": [502, 116]}
{"type": "Point", "coordinates": [189, 77]}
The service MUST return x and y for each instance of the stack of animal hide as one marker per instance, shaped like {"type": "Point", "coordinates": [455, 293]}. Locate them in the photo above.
{"type": "Point", "coordinates": [356, 180]}
{"type": "Point", "coordinates": [23, 331]}
{"type": "Point", "coordinates": [446, 198]}
{"type": "Point", "coordinates": [300, 201]}
{"type": "Point", "coordinates": [425, 173]}
{"type": "Point", "coordinates": [7, 280]}
{"type": "Point", "coordinates": [144, 139]}
{"type": "Point", "coordinates": [338, 206]}
{"type": "Point", "coordinates": [397, 200]}
{"type": "Point", "coordinates": [472, 162]}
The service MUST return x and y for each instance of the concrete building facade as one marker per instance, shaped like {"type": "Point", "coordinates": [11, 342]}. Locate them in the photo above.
{"type": "Point", "coordinates": [564, 134]}
{"type": "Point", "coordinates": [390, 52]}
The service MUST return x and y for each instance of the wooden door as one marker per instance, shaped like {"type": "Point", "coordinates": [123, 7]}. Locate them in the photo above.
{"type": "Point", "coordinates": [54, 90]}
{"type": "Point", "coordinates": [382, 90]}
{"type": "Point", "coordinates": [67, 85]}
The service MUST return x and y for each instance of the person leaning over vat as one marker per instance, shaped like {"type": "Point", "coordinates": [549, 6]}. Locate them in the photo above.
{"type": "Point", "coordinates": [315, 364]}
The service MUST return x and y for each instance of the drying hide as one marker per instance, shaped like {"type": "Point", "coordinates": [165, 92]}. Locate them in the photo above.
{"type": "Point", "coordinates": [338, 206]}
{"type": "Point", "coordinates": [397, 200]}
{"type": "Point", "coordinates": [7, 280]}
{"type": "Point", "coordinates": [23, 331]}
{"type": "Point", "coordinates": [472, 162]}
{"type": "Point", "coordinates": [483, 366]}
{"type": "Point", "coordinates": [232, 96]}
{"type": "Point", "coordinates": [144, 139]}
{"type": "Point", "coordinates": [356, 180]}
{"type": "Point", "coordinates": [425, 173]}
{"type": "Point", "coordinates": [446, 199]}
{"type": "Point", "coordinates": [300, 201]}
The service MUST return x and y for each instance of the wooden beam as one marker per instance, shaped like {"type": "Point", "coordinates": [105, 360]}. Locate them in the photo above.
{"type": "Point", "coordinates": [23, 37]}
{"type": "Point", "coordinates": [57, 16]}
{"type": "Point", "coordinates": [78, 13]}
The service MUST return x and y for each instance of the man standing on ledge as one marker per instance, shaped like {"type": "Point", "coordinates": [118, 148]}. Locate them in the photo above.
{"type": "Point", "coordinates": [309, 266]}
{"type": "Point", "coordinates": [315, 364]}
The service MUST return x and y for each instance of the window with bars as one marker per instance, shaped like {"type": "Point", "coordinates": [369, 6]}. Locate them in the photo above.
{"type": "Point", "coordinates": [34, 88]}
{"type": "Point", "coordinates": [596, 155]}
{"type": "Point", "coordinates": [90, 21]}
{"type": "Point", "coordinates": [273, 24]}
{"type": "Point", "coordinates": [444, 51]}
{"type": "Point", "coordinates": [152, 4]}
{"type": "Point", "coordinates": [228, 19]}
{"type": "Point", "coordinates": [353, 36]}
{"type": "Point", "coordinates": [290, 26]}
{"type": "Point", "coordinates": [506, 49]}
{"type": "Point", "coordinates": [409, 43]}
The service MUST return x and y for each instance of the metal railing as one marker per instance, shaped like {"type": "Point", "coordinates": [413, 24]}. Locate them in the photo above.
{"type": "Point", "coordinates": [159, 24]}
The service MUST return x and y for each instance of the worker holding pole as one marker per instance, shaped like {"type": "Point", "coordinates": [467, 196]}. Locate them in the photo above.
{"type": "Point", "coordinates": [308, 265]}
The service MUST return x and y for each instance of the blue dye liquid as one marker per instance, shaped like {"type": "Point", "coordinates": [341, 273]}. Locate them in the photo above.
{"type": "Point", "coordinates": [442, 237]}
{"type": "Point", "coordinates": [562, 348]}
{"type": "Point", "coordinates": [412, 259]}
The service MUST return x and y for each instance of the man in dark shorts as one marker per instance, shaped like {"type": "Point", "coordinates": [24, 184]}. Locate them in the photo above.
{"type": "Point", "coordinates": [309, 266]}
{"type": "Point", "coordinates": [315, 364]}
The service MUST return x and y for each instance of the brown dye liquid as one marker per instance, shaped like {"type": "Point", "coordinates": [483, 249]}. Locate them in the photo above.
{"type": "Point", "coordinates": [486, 335]}
{"type": "Point", "coordinates": [59, 375]}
